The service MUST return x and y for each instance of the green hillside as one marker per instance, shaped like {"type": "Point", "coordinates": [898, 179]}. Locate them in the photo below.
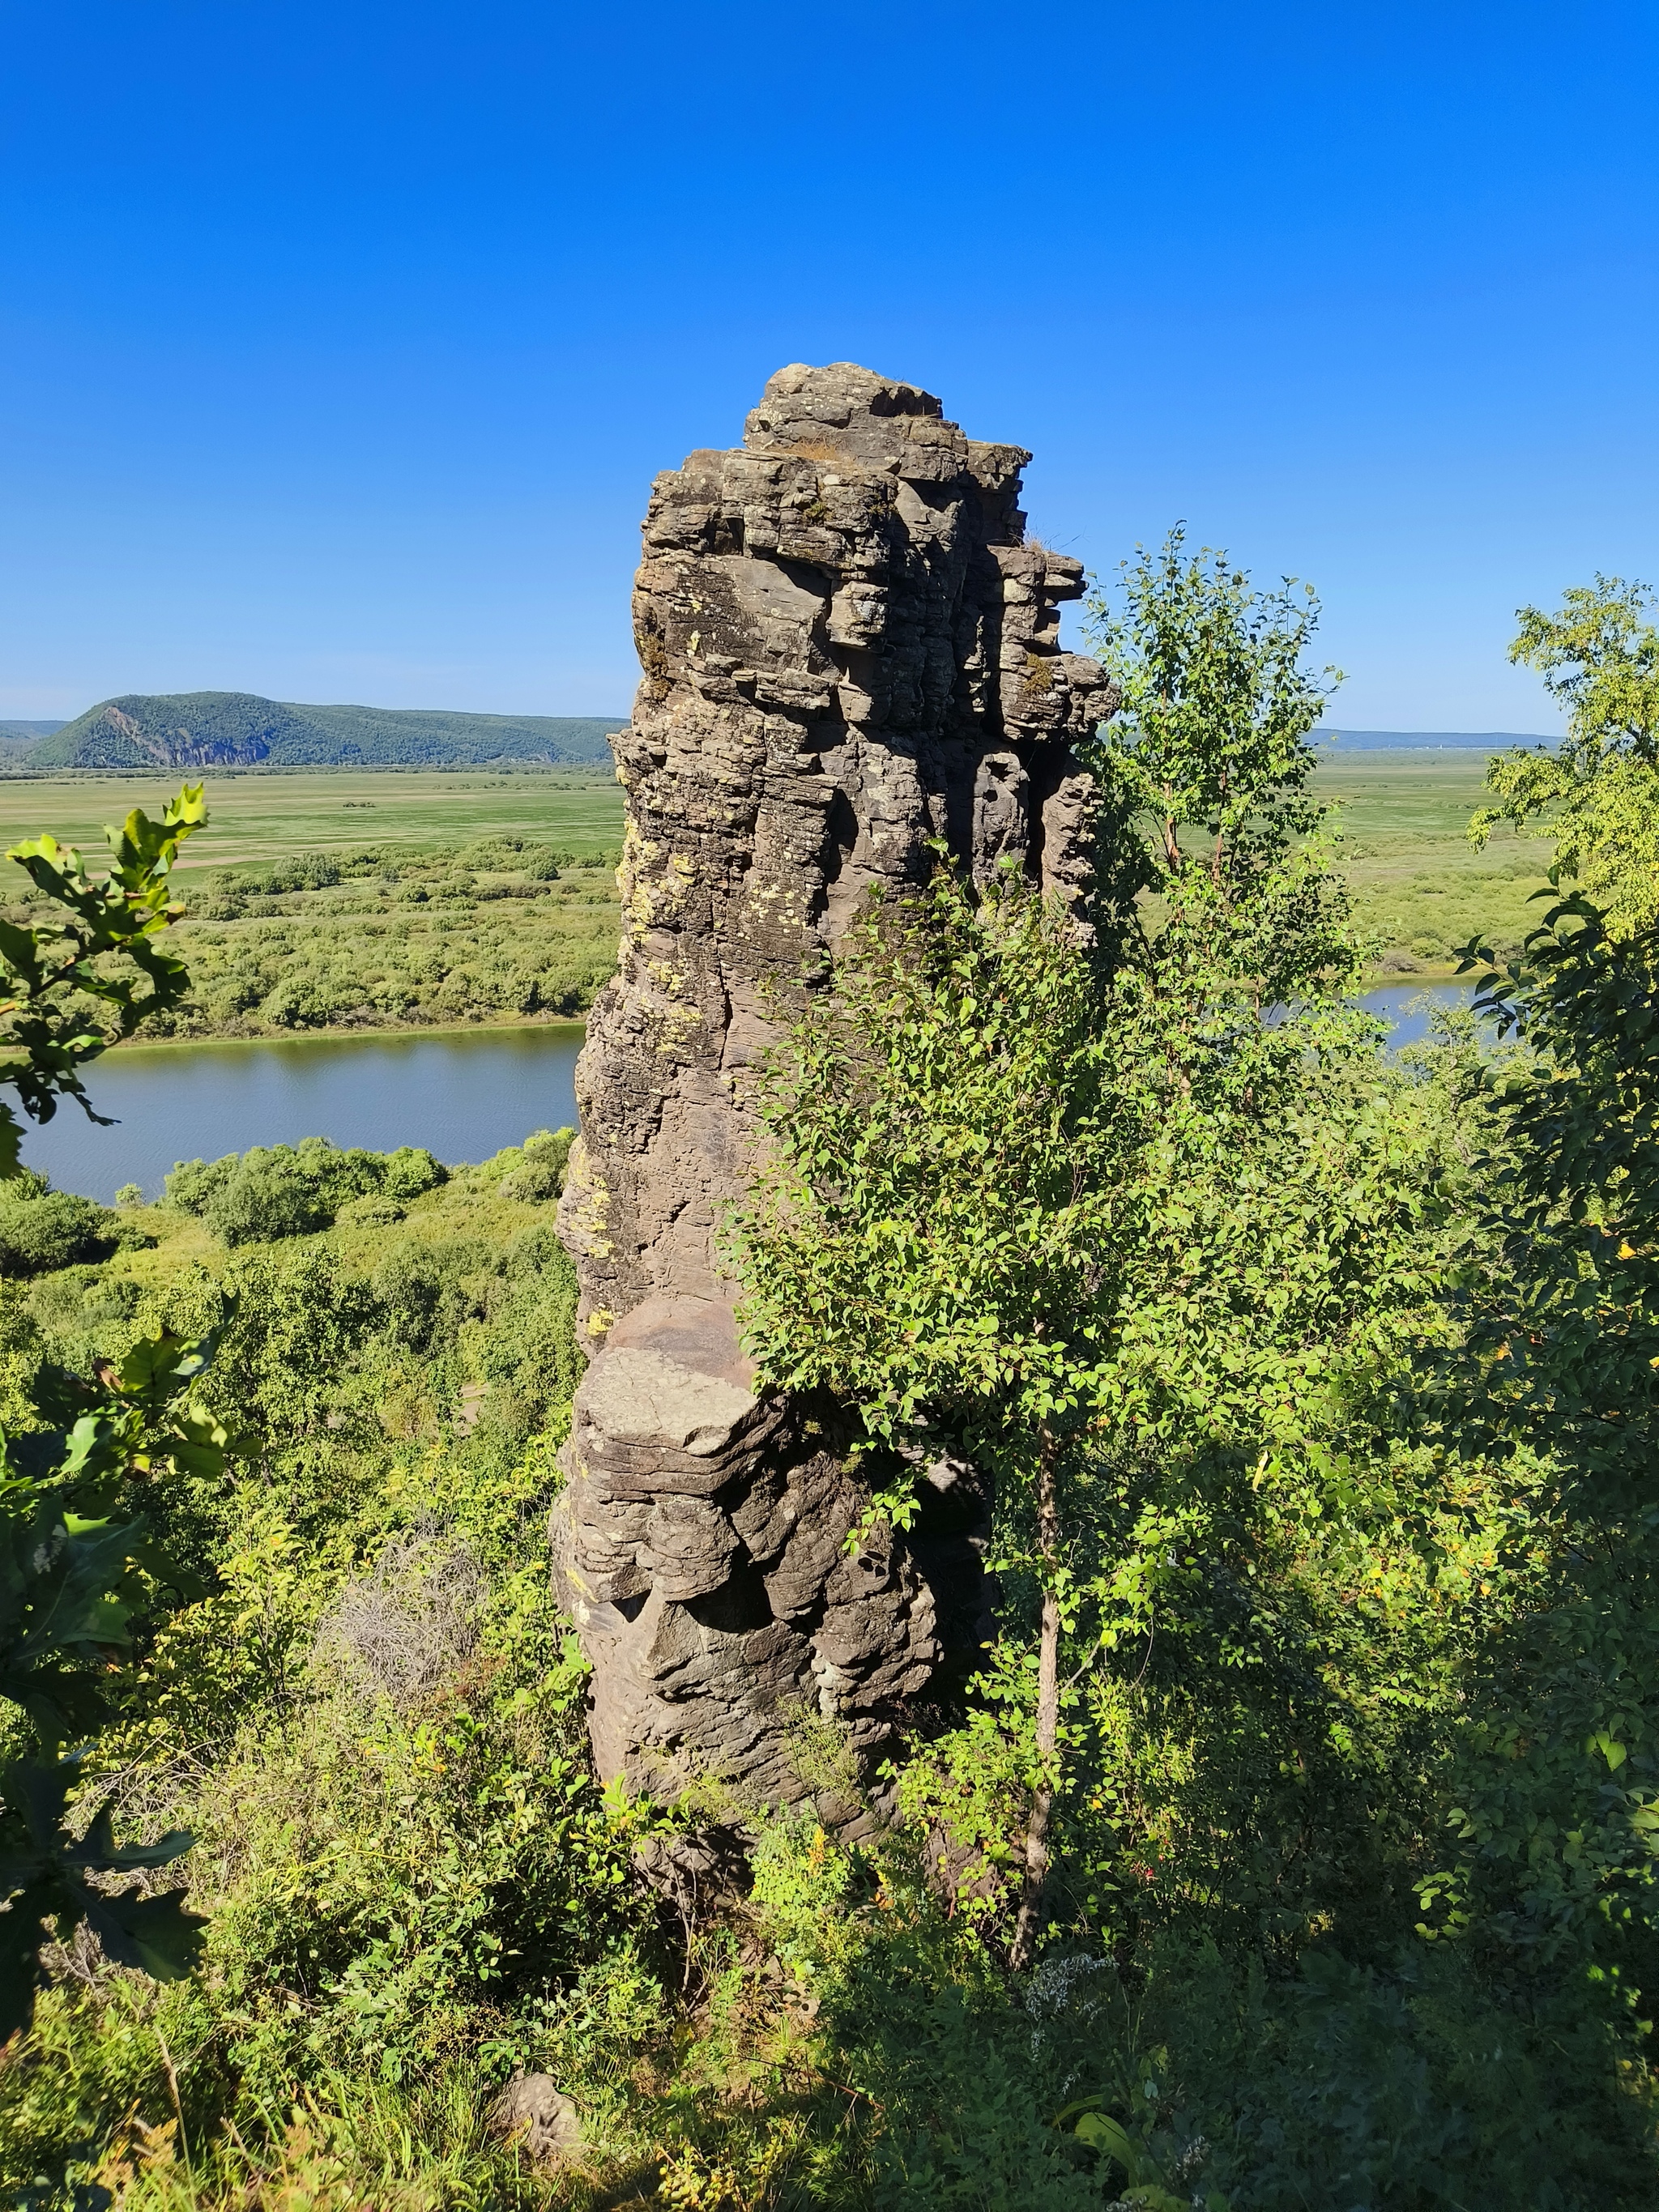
{"type": "Point", "coordinates": [431, 739]}
{"type": "Point", "coordinates": [189, 729]}
{"type": "Point", "coordinates": [223, 729]}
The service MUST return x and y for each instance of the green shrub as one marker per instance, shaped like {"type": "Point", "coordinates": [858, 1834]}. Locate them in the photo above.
{"type": "Point", "coordinates": [193, 1184]}
{"type": "Point", "coordinates": [42, 1229]}
{"type": "Point", "coordinates": [1425, 2083]}
{"type": "Point", "coordinates": [306, 872]}
{"type": "Point", "coordinates": [373, 1209]}
{"type": "Point", "coordinates": [541, 1176]}
{"type": "Point", "coordinates": [410, 1171]}
{"type": "Point", "coordinates": [265, 1199]}
{"type": "Point", "coordinates": [282, 1190]}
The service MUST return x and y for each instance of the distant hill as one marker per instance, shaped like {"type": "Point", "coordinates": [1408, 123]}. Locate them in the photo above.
{"type": "Point", "coordinates": [228, 729]}
{"type": "Point", "coordinates": [1404, 741]}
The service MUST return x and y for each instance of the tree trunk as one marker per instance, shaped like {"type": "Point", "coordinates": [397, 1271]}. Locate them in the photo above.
{"type": "Point", "coordinates": [1047, 1716]}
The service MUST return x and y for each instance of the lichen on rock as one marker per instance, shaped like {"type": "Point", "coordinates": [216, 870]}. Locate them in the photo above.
{"type": "Point", "coordinates": [850, 653]}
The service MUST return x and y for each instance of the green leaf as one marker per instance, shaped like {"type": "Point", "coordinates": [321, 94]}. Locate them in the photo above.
{"type": "Point", "coordinates": [155, 1934]}
{"type": "Point", "coordinates": [1103, 2133]}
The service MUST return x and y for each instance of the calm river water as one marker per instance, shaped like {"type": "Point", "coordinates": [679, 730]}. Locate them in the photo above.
{"type": "Point", "coordinates": [462, 1095]}
{"type": "Point", "coordinates": [1405, 1006]}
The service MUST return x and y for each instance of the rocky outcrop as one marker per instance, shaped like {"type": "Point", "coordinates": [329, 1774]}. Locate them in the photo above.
{"type": "Point", "coordinates": [534, 2113]}
{"type": "Point", "coordinates": [850, 651]}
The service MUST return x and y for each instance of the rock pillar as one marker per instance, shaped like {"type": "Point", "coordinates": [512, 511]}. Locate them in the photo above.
{"type": "Point", "coordinates": [850, 649]}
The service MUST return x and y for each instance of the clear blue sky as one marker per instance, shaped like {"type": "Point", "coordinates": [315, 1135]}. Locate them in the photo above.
{"type": "Point", "coordinates": [341, 341]}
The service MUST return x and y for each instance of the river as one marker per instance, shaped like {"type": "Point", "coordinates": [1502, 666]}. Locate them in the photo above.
{"type": "Point", "coordinates": [461, 1093]}
{"type": "Point", "coordinates": [1405, 1007]}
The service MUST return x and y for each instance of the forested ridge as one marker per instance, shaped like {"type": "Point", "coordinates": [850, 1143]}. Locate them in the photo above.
{"type": "Point", "coordinates": [1295, 1844]}
{"type": "Point", "coordinates": [203, 729]}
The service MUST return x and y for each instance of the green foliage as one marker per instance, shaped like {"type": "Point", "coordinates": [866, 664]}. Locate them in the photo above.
{"type": "Point", "coordinates": [372, 1717]}
{"type": "Point", "coordinates": [1412, 2085]}
{"type": "Point", "coordinates": [1205, 772]}
{"type": "Point", "coordinates": [290, 1190]}
{"type": "Point", "coordinates": [42, 1229]}
{"type": "Point", "coordinates": [1297, 1570]}
{"type": "Point", "coordinates": [1126, 1241]}
{"type": "Point", "coordinates": [936, 1239]}
{"type": "Point", "coordinates": [78, 1573]}
{"type": "Point", "coordinates": [380, 936]}
{"type": "Point", "coordinates": [1558, 1780]}
{"type": "Point", "coordinates": [931, 1238]}
{"type": "Point", "coordinates": [74, 1553]}
{"type": "Point", "coordinates": [1319, 1388]}
{"type": "Point", "coordinates": [1597, 793]}
{"type": "Point", "coordinates": [874, 2060]}
{"type": "Point", "coordinates": [494, 904]}
{"type": "Point", "coordinates": [43, 1869]}
{"type": "Point", "coordinates": [67, 989]}
{"type": "Point", "coordinates": [539, 1176]}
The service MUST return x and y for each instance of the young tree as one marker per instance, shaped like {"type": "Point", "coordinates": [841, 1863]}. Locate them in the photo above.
{"type": "Point", "coordinates": [1558, 1778]}
{"type": "Point", "coordinates": [1598, 793]}
{"type": "Point", "coordinates": [72, 986]}
{"type": "Point", "coordinates": [1104, 1224]}
{"type": "Point", "coordinates": [934, 1238]}
{"type": "Point", "coordinates": [76, 1560]}
{"type": "Point", "coordinates": [1215, 879]}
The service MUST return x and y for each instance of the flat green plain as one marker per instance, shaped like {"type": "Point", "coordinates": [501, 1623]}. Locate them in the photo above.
{"type": "Point", "coordinates": [257, 819]}
{"type": "Point", "coordinates": [1420, 890]}
{"type": "Point", "coordinates": [436, 930]}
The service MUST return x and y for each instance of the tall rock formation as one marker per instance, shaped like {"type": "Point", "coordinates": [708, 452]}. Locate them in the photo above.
{"type": "Point", "coordinates": [849, 650]}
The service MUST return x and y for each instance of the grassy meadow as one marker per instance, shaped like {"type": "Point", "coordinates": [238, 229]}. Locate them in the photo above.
{"type": "Point", "coordinates": [257, 817]}
{"type": "Point", "coordinates": [359, 900]}
{"type": "Point", "coordinates": [1420, 889]}
{"type": "Point", "coordinates": [350, 900]}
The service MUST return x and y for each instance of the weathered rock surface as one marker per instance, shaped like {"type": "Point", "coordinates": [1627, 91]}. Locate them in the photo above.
{"type": "Point", "coordinates": [849, 651]}
{"type": "Point", "coordinates": [535, 2114]}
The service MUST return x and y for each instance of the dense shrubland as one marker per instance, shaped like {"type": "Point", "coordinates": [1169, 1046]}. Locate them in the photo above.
{"type": "Point", "coordinates": [502, 929]}
{"type": "Point", "coordinates": [1314, 1766]}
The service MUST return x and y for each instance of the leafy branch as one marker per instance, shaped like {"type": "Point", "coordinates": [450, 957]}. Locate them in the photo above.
{"type": "Point", "coordinates": [78, 1565]}
{"type": "Point", "coordinates": [105, 927]}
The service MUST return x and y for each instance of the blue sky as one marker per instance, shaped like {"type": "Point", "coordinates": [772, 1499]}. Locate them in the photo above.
{"type": "Point", "coordinates": [341, 342]}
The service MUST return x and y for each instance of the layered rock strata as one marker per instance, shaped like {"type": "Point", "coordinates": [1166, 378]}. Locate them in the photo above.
{"type": "Point", "coordinates": [849, 651]}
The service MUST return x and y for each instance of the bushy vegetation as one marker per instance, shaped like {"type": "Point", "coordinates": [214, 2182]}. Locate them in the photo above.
{"type": "Point", "coordinates": [42, 1229]}
{"type": "Point", "coordinates": [371, 1721]}
{"type": "Point", "coordinates": [284, 1190]}
{"type": "Point", "coordinates": [499, 928]}
{"type": "Point", "coordinates": [1597, 794]}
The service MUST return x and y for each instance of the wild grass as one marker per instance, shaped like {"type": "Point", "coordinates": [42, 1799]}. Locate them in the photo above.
{"type": "Point", "coordinates": [257, 818]}
{"type": "Point", "coordinates": [1420, 890]}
